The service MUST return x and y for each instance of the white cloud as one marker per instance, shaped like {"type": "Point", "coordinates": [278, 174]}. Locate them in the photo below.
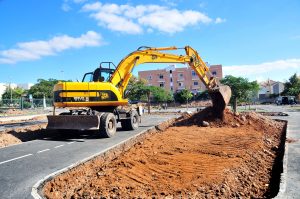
{"type": "Point", "coordinates": [278, 70]}
{"type": "Point", "coordinates": [117, 23]}
{"type": "Point", "coordinates": [219, 20]}
{"type": "Point", "coordinates": [65, 7]}
{"type": "Point", "coordinates": [135, 19]}
{"type": "Point", "coordinates": [37, 49]}
{"type": "Point", "coordinates": [171, 21]}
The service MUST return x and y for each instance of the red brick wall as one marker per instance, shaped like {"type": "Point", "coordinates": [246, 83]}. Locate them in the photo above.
{"type": "Point", "coordinates": [187, 79]}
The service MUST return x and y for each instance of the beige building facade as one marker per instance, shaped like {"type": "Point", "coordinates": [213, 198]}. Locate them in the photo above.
{"type": "Point", "coordinates": [175, 79]}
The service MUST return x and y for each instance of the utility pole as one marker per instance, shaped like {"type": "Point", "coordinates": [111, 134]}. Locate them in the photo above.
{"type": "Point", "coordinates": [10, 92]}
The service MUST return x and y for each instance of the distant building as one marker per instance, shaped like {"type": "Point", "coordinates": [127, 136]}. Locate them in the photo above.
{"type": "Point", "coordinates": [25, 86]}
{"type": "Point", "coordinates": [268, 88]}
{"type": "Point", "coordinates": [4, 86]}
{"type": "Point", "coordinates": [175, 79]}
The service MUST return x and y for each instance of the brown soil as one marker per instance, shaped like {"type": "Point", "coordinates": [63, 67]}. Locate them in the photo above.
{"type": "Point", "coordinates": [233, 158]}
{"type": "Point", "coordinates": [14, 136]}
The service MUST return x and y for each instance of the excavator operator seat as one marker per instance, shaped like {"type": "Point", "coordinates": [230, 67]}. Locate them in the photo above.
{"type": "Point", "coordinates": [101, 79]}
{"type": "Point", "coordinates": [102, 74]}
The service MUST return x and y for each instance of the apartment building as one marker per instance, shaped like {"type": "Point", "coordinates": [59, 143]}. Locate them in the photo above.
{"type": "Point", "coordinates": [175, 79]}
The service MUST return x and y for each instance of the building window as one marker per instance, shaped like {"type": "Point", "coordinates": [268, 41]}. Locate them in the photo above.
{"type": "Point", "coordinates": [171, 88]}
{"type": "Point", "coordinates": [161, 76]}
{"type": "Point", "coordinates": [195, 83]}
{"type": "Point", "coordinates": [149, 77]}
{"type": "Point", "coordinates": [161, 85]}
{"type": "Point", "coordinates": [214, 73]}
{"type": "Point", "coordinates": [170, 71]}
{"type": "Point", "coordinates": [193, 73]}
{"type": "Point", "coordinates": [180, 84]}
{"type": "Point", "coordinates": [171, 79]}
{"type": "Point", "coordinates": [180, 75]}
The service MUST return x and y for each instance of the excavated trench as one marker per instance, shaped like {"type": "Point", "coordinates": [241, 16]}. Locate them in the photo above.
{"type": "Point", "coordinates": [240, 156]}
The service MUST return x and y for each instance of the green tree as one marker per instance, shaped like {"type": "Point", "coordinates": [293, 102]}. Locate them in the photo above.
{"type": "Point", "coordinates": [160, 94]}
{"type": "Point", "coordinates": [136, 89]}
{"type": "Point", "coordinates": [292, 87]}
{"type": "Point", "coordinates": [14, 93]}
{"type": "Point", "coordinates": [43, 87]}
{"type": "Point", "coordinates": [242, 90]}
{"type": "Point", "coordinates": [183, 96]}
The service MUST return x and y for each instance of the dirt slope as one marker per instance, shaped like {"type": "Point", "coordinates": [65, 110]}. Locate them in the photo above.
{"type": "Point", "coordinates": [230, 158]}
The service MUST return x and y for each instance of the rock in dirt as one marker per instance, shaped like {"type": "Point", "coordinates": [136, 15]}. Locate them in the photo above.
{"type": "Point", "coordinates": [205, 124]}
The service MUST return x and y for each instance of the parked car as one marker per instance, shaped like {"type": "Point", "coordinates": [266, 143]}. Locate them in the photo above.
{"type": "Point", "coordinates": [282, 100]}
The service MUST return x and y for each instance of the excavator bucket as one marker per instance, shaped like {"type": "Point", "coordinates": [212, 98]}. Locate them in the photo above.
{"type": "Point", "coordinates": [77, 122]}
{"type": "Point", "coordinates": [220, 98]}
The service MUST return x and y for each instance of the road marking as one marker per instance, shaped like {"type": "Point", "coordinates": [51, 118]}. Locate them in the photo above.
{"type": "Point", "coordinates": [15, 158]}
{"type": "Point", "coordinates": [71, 142]}
{"type": "Point", "coordinates": [43, 150]}
{"type": "Point", "coordinates": [58, 146]}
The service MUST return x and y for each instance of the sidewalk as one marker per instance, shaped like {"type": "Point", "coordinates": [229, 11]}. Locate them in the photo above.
{"type": "Point", "coordinates": [20, 117]}
{"type": "Point", "coordinates": [290, 185]}
{"type": "Point", "coordinates": [29, 114]}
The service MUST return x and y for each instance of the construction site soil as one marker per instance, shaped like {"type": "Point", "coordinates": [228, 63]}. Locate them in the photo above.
{"type": "Point", "coordinates": [234, 158]}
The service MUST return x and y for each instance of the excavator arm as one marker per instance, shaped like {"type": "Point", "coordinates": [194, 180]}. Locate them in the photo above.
{"type": "Point", "coordinates": [220, 94]}
{"type": "Point", "coordinates": [155, 55]}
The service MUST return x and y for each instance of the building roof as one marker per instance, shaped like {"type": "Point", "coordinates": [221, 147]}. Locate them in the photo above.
{"type": "Point", "coordinates": [269, 82]}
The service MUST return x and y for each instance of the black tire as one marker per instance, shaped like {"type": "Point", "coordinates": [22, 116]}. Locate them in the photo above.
{"type": "Point", "coordinates": [108, 125]}
{"type": "Point", "coordinates": [132, 122]}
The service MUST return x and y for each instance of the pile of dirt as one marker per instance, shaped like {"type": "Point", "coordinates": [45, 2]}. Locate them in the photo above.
{"type": "Point", "coordinates": [233, 158]}
{"type": "Point", "coordinates": [21, 134]}
{"type": "Point", "coordinates": [7, 139]}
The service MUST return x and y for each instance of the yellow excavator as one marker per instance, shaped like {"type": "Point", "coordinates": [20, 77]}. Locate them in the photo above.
{"type": "Point", "coordinates": [100, 94]}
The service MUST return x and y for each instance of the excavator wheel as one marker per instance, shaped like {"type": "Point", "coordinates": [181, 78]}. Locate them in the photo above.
{"type": "Point", "coordinates": [108, 125]}
{"type": "Point", "coordinates": [131, 123]}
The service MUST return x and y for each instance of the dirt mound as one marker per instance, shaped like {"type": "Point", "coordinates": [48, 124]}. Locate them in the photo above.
{"type": "Point", "coordinates": [21, 134]}
{"type": "Point", "coordinates": [232, 158]}
{"type": "Point", "coordinates": [8, 139]}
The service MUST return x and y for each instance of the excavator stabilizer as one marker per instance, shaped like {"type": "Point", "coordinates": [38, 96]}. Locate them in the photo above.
{"type": "Point", "coordinates": [220, 98]}
{"type": "Point", "coordinates": [78, 122]}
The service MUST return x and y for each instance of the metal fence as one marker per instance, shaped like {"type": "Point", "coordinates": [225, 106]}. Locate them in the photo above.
{"type": "Point", "coordinates": [23, 103]}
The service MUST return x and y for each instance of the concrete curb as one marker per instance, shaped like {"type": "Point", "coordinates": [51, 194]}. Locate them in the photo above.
{"type": "Point", "coordinates": [283, 175]}
{"type": "Point", "coordinates": [116, 150]}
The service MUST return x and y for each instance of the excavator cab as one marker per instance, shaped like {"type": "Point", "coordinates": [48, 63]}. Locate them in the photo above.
{"type": "Point", "coordinates": [101, 74]}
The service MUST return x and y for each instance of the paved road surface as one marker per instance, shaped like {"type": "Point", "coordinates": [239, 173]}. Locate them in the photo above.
{"type": "Point", "coordinates": [21, 166]}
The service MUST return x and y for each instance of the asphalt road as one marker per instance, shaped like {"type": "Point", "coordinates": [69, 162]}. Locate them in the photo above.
{"type": "Point", "coordinates": [21, 166]}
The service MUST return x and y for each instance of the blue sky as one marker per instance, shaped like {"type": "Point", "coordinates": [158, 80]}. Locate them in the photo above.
{"type": "Point", "coordinates": [63, 39]}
